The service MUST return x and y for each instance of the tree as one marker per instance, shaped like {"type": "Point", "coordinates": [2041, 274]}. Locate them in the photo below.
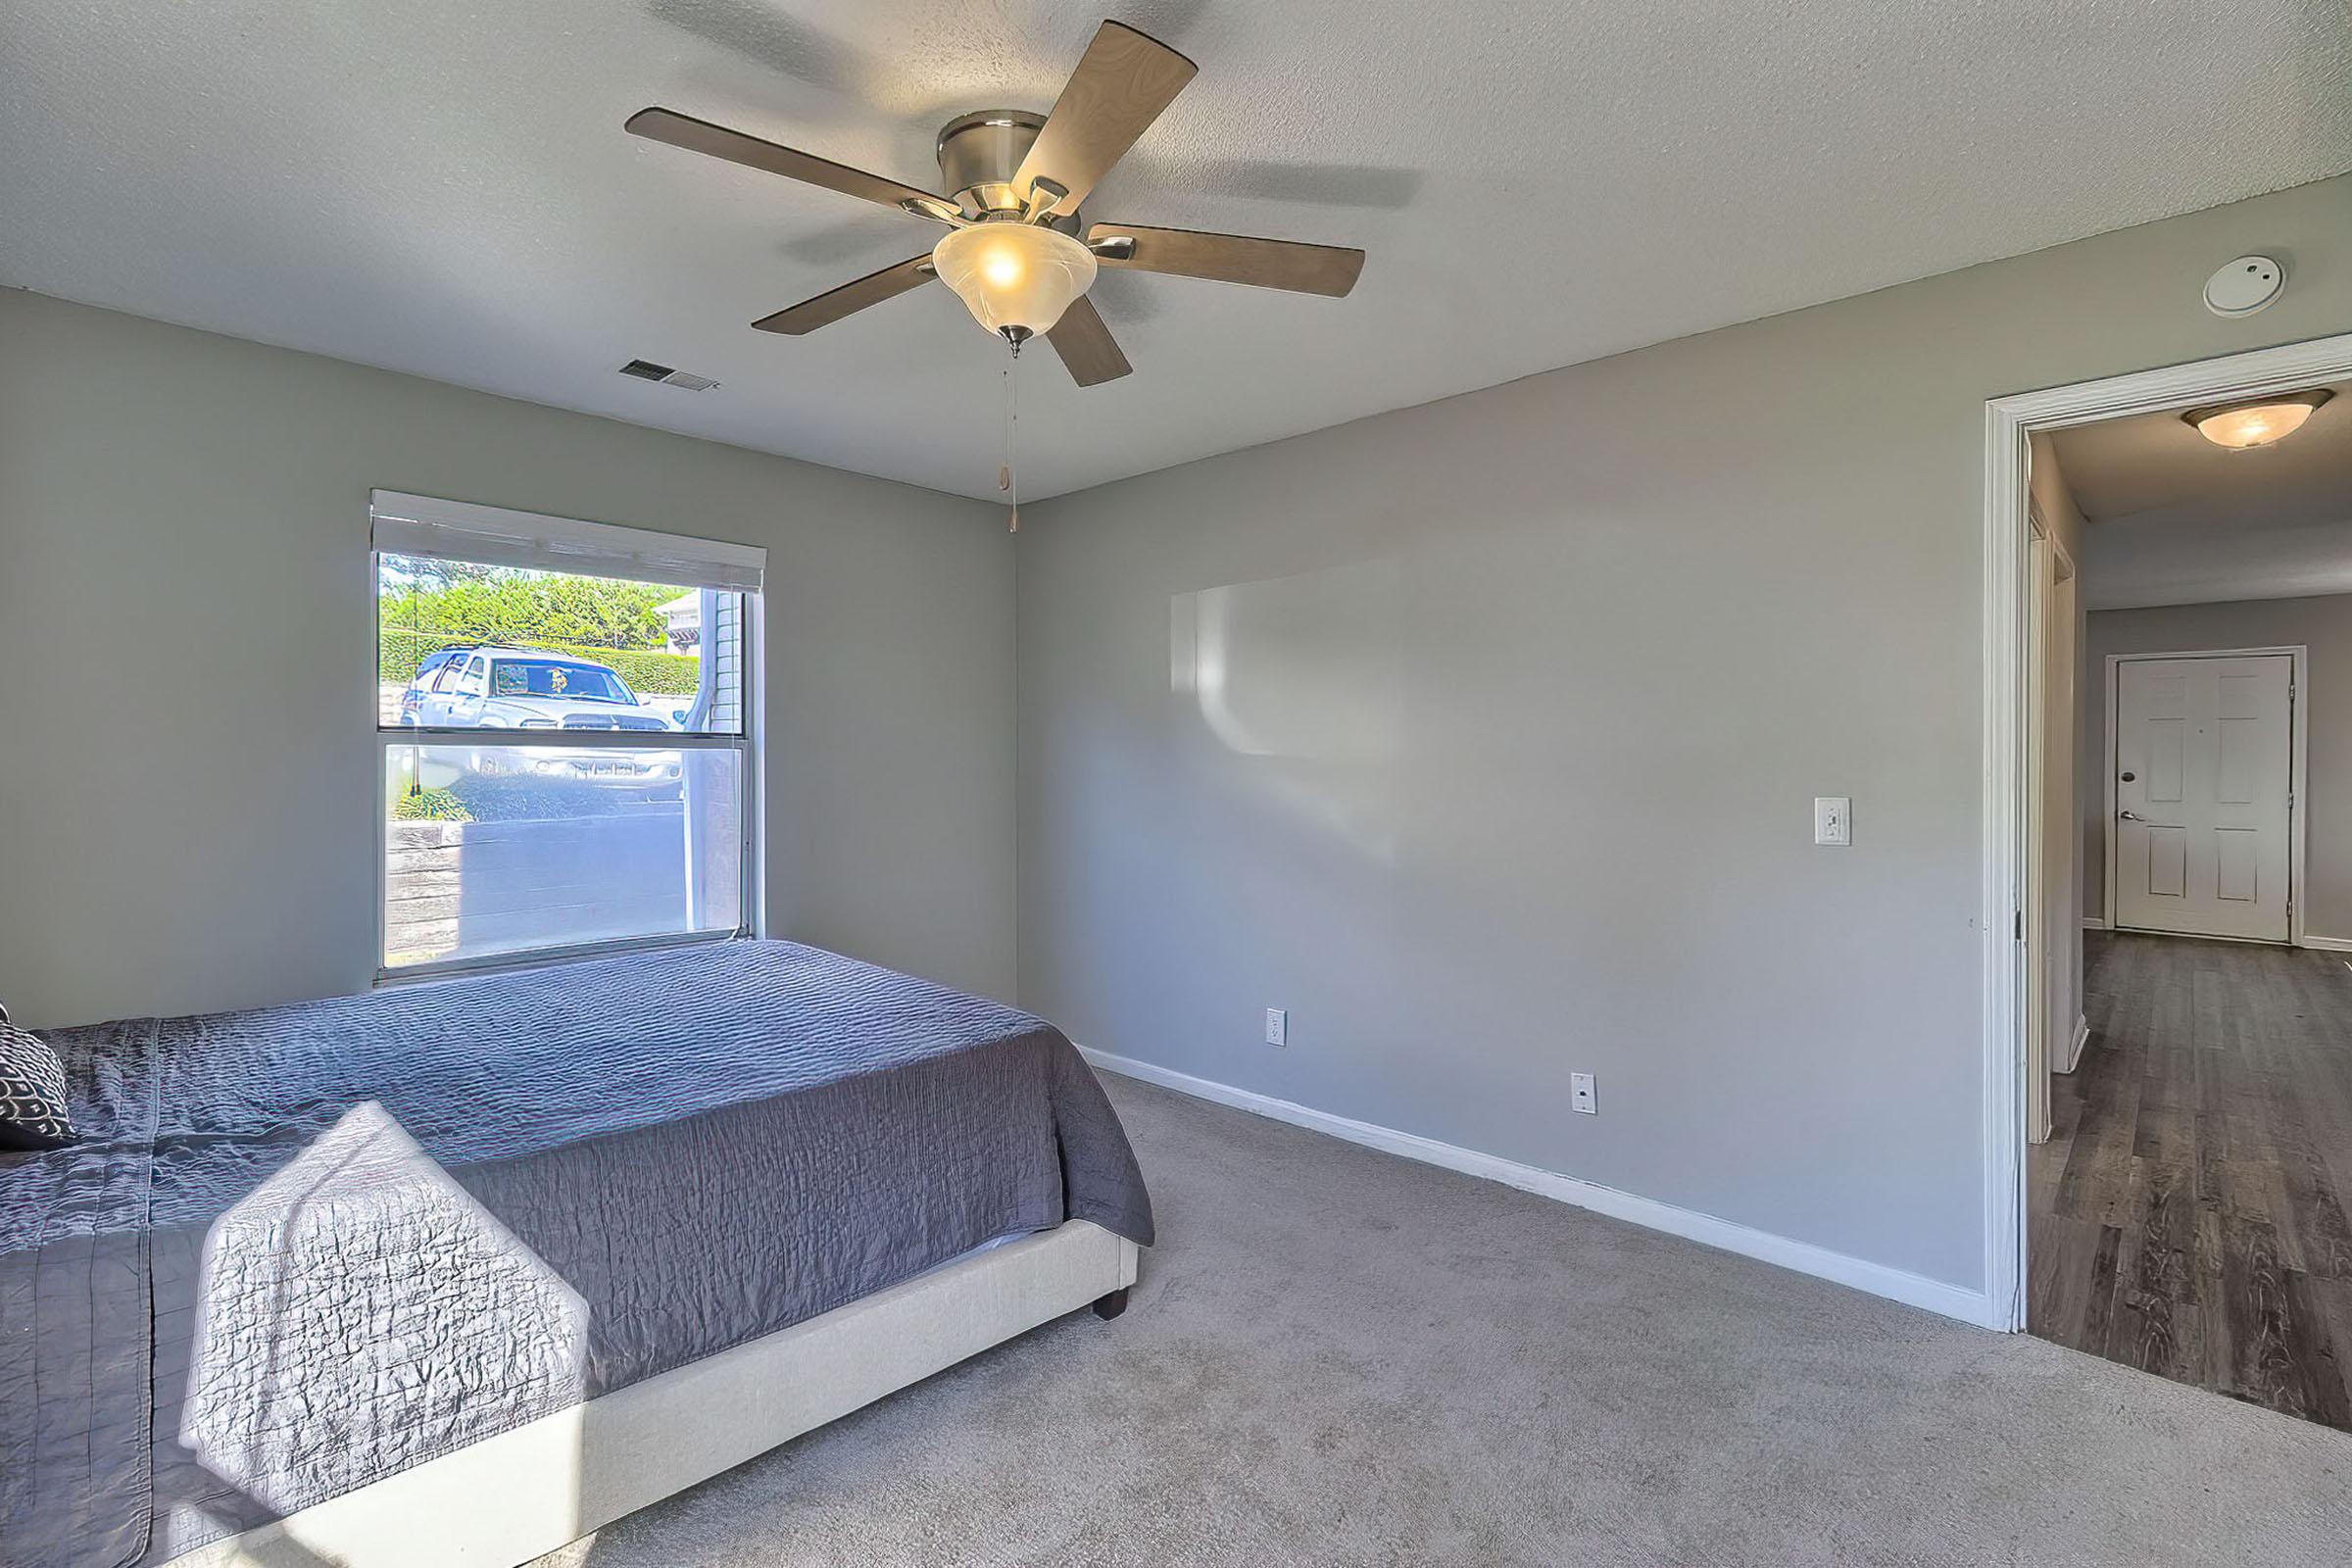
{"type": "Point", "coordinates": [429, 571]}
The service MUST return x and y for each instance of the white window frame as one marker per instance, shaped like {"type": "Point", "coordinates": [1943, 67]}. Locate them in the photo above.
{"type": "Point", "coordinates": [402, 524]}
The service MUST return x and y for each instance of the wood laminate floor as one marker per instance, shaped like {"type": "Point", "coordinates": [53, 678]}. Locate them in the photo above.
{"type": "Point", "coordinates": [2187, 1215]}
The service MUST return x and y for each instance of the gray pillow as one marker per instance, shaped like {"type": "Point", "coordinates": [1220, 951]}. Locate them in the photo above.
{"type": "Point", "coordinates": [32, 1092]}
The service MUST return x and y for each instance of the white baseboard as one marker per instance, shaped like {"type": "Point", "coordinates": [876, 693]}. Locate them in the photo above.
{"type": "Point", "coordinates": [2074, 1046]}
{"type": "Point", "coordinates": [2328, 944]}
{"type": "Point", "coordinates": [2094, 922]}
{"type": "Point", "coordinates": [1878, 1279]}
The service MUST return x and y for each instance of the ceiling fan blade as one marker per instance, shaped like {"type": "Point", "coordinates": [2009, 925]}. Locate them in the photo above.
{"type": "Point", "coordinates": [1087, 348]}
{"type": "Point", "coordinates": [831, 306]}
{"type": "Point", "coordinates": [1328, 270]}
{"type": "Point", "coordinates": [1120, 87]}
{"type": "Point", "coordinates": [718, 141]}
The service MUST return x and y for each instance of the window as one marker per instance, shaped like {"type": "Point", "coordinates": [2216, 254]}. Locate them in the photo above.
{"type": "Point", "coordinates": [566, 762]}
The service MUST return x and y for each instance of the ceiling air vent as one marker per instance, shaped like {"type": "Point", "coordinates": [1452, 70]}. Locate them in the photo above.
{"type": "Point", "coordinates": [647, 370]}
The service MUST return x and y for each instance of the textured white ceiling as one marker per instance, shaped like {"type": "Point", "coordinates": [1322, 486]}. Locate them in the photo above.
{"type": "Point", "coordinates": [2178, 520]}
{"type": "Point", "coordinates": [442, 186]}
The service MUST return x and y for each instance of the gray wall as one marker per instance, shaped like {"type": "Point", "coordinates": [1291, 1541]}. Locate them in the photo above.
{"type": "Point", "coordinates": [2323, 625]}
{"type": "Point", "coordinates": [2056, 498]}
{"type": "Point", "coordinates": [187, 699]}
{"type": "Point", "coordinates": [1483, 735]}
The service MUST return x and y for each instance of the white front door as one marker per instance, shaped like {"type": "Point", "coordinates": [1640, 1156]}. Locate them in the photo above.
{"type": "Point", "coordinates": [2203, 760]}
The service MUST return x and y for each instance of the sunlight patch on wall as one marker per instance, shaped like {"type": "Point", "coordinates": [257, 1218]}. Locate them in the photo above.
{"type": "Point", "coordinates": [1302, 676]}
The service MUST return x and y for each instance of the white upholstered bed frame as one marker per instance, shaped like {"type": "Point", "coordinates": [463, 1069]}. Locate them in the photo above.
{"type": "Point", "coordinates": [514, 1497]}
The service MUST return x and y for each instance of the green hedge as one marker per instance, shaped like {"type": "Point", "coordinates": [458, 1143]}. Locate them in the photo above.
{"type": "Point", "coordinates": [496, 605]}
{"type": "Point", "coordinates": [652, 675]}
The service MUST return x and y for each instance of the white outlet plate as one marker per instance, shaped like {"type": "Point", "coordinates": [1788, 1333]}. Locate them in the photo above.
{"type": "Point", "coordinates": [1278, 1026]}
{"type": "Point", "coordinates": [1581, 1095]}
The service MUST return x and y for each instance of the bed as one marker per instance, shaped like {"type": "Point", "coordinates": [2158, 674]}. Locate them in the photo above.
{"type": "Point", "coordinates": [458, 1272]}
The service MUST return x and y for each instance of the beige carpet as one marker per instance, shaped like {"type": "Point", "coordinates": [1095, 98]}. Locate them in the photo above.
{"type": "Point", "coordinates": [1338, 1357]}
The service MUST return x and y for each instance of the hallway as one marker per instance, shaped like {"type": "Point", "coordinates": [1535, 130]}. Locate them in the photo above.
{"type": "Point", "coordinates": [2187, 1215]}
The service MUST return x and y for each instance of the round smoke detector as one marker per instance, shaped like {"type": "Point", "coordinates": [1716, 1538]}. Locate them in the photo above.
{"type": "Point", "coordinates": [2243, 286]}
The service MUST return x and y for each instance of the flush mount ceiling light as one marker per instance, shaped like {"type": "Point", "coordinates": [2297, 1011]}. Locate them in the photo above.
{"type": "Point", "coordinates": [2258, 421]}
{"type": "Point", "coordinates": [1018, 254]}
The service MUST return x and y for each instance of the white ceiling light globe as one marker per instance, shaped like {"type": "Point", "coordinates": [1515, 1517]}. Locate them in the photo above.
{"type": "Point", "coordinates": [1017, 279]}
{"type": "Point", "coordinates": [2260, 422]}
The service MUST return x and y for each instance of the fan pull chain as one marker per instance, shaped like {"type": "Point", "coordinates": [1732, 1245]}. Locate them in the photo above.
{"type": "Point", "coordinates": [1007, 472]}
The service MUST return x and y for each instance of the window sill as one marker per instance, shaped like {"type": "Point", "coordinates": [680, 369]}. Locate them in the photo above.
{"type": "Point", "coordinates": [415, 974]}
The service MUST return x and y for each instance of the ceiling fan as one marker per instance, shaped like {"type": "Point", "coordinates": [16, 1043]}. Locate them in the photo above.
{"type": "Point", "coordinates": [1015, 252]}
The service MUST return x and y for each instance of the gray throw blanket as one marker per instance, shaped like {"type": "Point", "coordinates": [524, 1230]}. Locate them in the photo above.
{"type": "Point", "coordinates": [304, 1248]}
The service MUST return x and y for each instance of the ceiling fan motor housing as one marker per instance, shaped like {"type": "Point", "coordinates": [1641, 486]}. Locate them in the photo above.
{"type": "Point", "coordinates": [980, 153]}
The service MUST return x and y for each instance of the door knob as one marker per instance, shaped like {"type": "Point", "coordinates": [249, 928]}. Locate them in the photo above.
{"type": "Point", "coordinates": [2132, 817]}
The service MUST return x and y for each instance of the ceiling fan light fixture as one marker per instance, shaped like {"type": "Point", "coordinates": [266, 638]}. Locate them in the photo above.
{"type": "Point", "coordinates": [1016, 182]}
{"type": "Point", "coordinates": [2261, 422]}
{"type": "Point", "coordinates": [1017, 279]}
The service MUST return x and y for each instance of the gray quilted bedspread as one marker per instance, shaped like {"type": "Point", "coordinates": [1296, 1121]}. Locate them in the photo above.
{"type": "Point", "coordinates": [308, 1247]}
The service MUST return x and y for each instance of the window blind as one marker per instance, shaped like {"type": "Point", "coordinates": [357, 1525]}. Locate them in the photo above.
{"type": "Point", "coordinates": [494, 536]}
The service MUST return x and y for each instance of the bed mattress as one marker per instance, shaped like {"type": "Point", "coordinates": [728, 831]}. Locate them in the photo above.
{"type": "Point", "coordinates": [308, 1247]}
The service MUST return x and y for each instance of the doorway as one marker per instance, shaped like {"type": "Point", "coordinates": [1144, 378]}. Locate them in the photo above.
{"type": "Point", "coordinates": [2187, 1213]}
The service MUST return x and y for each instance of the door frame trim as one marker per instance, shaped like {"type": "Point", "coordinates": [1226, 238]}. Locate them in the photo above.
{"type": "Point", "coordinates": [2298, 750]}
{"type": "Point", "coordinates": [2048, 565]}
{"type": "Point", "coordinates": [2008, 421]}
{"type": "Point", "coordinates": [2041, 546]}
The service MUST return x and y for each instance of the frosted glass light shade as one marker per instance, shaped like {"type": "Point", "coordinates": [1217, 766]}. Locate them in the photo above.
{"type": "Point", "coordinates": [2242, 425]}
{"type": "Point", "coordinates": [1017, 279]}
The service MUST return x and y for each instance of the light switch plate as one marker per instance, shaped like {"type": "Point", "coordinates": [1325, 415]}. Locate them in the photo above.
{"type": "Point", "coordinates": [1833, 820]}
{"type": "Point", "coordinates": [1278, 1026]}
{"type": "Point", "coordinates": [1580, 1094]}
